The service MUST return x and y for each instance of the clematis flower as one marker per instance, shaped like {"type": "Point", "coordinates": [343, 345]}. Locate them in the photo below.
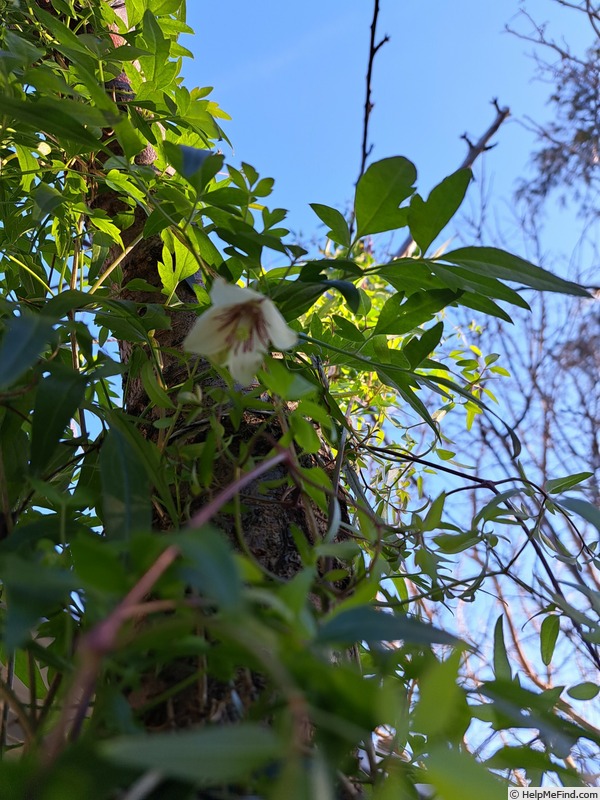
{"type": "Point", "coordinates": [237, 329]}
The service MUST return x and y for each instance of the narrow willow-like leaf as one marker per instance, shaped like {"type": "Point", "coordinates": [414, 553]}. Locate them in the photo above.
{"type": "Point", "coordinates": [548, 635]}
{"type": "Point", "coordinates": [502, 668]}
{"type": "Point", "coordinates": [125, 491]}
{"type": "Point", "coordinates": [367, 624]}
{"type": "Point", "coordinates": [213, 755]}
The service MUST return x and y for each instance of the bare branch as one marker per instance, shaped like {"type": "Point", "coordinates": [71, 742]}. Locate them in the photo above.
{"type": "Point", "coordinates": [475, 150]}
{"type": "Point", "coordinates": [373, 50]}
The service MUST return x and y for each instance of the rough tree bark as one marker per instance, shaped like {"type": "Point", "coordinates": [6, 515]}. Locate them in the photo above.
{"type": "Point", "coordinates": [267, 514]}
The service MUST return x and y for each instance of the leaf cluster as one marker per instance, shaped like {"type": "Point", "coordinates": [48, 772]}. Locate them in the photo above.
{"type": "Point", "coordinates": [122, 600]}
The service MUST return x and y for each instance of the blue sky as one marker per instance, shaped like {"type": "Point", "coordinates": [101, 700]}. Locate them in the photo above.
{"type": "Point", "coordinates": [292, 78]}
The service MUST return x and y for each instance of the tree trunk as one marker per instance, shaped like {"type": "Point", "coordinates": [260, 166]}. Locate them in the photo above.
{"type": "Point", "coordinates": [270, 507]}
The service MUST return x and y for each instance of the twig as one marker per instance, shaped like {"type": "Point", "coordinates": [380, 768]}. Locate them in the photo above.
{"type": "Point", "coordinates": [102, 638]}
{"type": "Point", "coordinates": [373, 49]}
{"type": "Point", "coordinates": [475, 150]}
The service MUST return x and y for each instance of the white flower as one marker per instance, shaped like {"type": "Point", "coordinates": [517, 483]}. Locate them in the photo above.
{"type": "Point", "coordinates": [236, 330]}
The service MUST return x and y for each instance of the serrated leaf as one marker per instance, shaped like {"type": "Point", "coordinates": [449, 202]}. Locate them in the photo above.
{"type": "Point", "coordinates": [379, 192]}
{"type": "Point", "coordinates": [427, 218]}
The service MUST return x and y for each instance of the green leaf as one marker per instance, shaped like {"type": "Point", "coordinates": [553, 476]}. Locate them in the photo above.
{"type": "Point", "coordinates": [126, 503]}
{"type": "Point", "coordinates": [420, 347]}
{"type": "Point", "coordinates": [157, 44]}
{"type": "Point", "coordinates": [427, 218]}
{"type": "Point", "coordinates": [484, 305]}
{"type": "Point", "coordinates": [178, 264]}
{"type": "Point", "coordinates": [21, 49]}
{"type": "Point", "coordinates": [197, 166]}
{"type": "Point", "coordinates": [434, 515]}
{"type": "Point", "coordinates": [558, 485]}
{"type": "Point", "coordinates": [295, 298]}
{"type": "Point", "coordinates": [346, 329]}
{"type": "Point", "coordinates": [458, 776]}
{"type": "Point", "coordinates": [349, 292]}
{"type": "Point", "coordinates": [162, 216]}
{"type": "Point", "coordinates": [55, 117]}
{"type": "Point", "coordinates": [288, 384]}
{"type": "Point", "coordinates": [526, 758]}
{"type": "Point", "coordinates": [33, 592]}
{"type": "Point", "coordinates": [400, 316]}
{"type": "Point", "coordinates": [304, 433]}
{"type": "Point", "coordinates": [152, 387]}
{"type": "Point", "coordinates": [98, 565]}
{"type": "Point", "coordinates": [160, 7]}
{"type": "Point", "coordinates": [223, 754]}
{"type": "Point", "coordinates": [338, 227]}
{"type": "Point", "coordinates": [24, 339]}
{"type": "Point", "coordinates": [28, 165]}
{"type": "Point", "coordinates": [148, 456]}
{"type": "Point", "coordinates": [47, 198]}
{"type": "Point", "coordinates": [366, 624]}
{"type": "Point", "coordinates": [502, 669]}
{"type": "Point", "coordinates": [590, 513]}
{"type": "Point", "coordinates": [498, 264]}
{"type": "Point", "coordinates": [379, 192]}
{"type": "Point", "coordinates": [548, 635]}
{"type": "Point", "coordinates": [458, 278]}
{"type": "Point", "coordinates": [405, 386]}
{"type": "Point", "coordinates": [452, 543]}
{"type": "Point", "coordinates": [58, 397]}
{"type": "Point", "coordinates": [441, 707]}
{"type": "Point", "coordinates": [584, 691]}
{"type": "Point", "coordinates": [209, 566]}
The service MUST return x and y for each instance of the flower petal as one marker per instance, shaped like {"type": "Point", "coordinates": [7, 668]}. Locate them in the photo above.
{"type": "Point", "coordinates": [282, 336]}
{"type": "Point", "coordinates": [230, 294]}
{"type": "Point", "coordinates": [206, 338]}
{"type": "Point", "coordinates": [244, 365]}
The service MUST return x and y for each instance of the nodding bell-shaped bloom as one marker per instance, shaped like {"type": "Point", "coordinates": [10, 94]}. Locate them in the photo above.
{"type": "Point", "coordinates": [237, 329]}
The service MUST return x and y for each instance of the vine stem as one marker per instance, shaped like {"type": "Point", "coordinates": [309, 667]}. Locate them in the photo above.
{"type": "Point", "coordinates": [102, 638]}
